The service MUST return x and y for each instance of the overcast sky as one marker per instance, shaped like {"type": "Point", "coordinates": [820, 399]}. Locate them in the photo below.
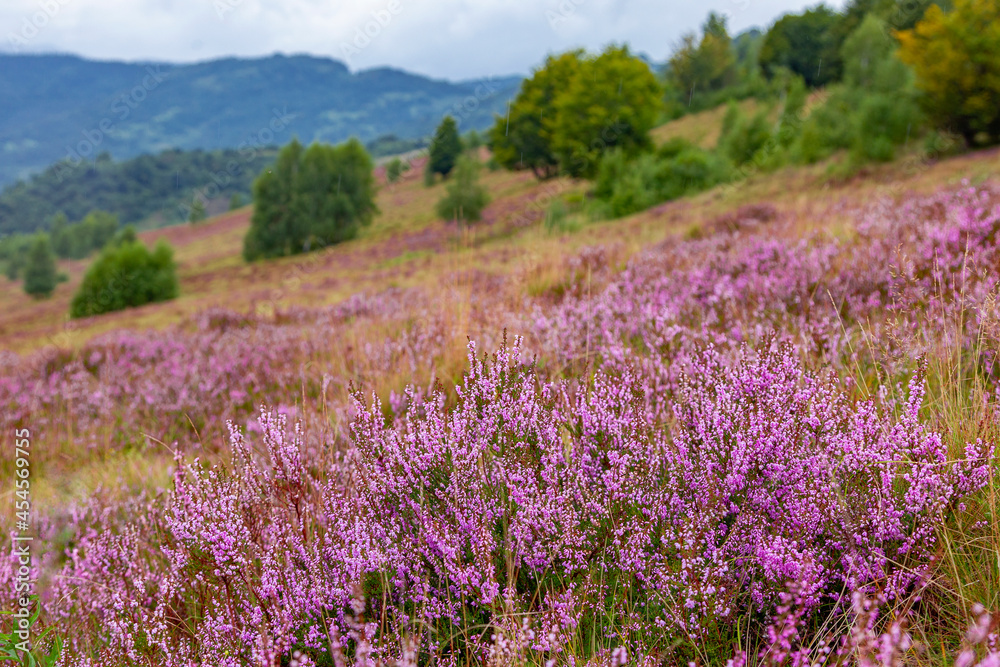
{"type": "Point", "coordinates": [453, 39]}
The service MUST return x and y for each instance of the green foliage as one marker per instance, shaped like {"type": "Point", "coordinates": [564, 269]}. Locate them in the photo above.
{"type": "Point", "coordinates": [126, 276]}
{"type": "Point", "coordinates": [805, 44]}
{"type": "Point", "coordinates": [705, 65]}
{"type": "Point", "coordinates": [311, 198]}
{"type": "Point", "coordinates": [125, 235]}
{"type": "Point", "coordinates": [956, 57]}
{"type": "Point", "coordinates": [633, 185]}
{"type": "Point", "coordinates": [881, 123]}
{"type": "Point", "coordinates": [151, 188]}
{"type": "Point", "coordinates": [523, 138]}
{"type": "Point", "coordinates": [829, 127]}
{"type": "Point", "coordinates": [612, 102]}
{"type": "Point", "coordinates": [445, 148]}
{"type": "Point", "coordinates": [36, 657]}
{"type": "Point", "coordinates": [464, 198]}
{"type": "Point", "coordinates": [76, 241]}
{"type": "Point", "coordinates": [393, 170]}
{"type": "Point", "coordinates": [235, 202]}
{"type": "Point", "coordinates": [742, 138]}
{"type": "Point", "coordinates": [868, 57]}
{"type": "Point", "coordinates": [197, 213]}
{"type": "Point", "coordinates": [792, 114]}
{"type": "Point", "coordinates": [13, 252]}
{"type": "Point", "coordinates": [472, 141]}
{"type": "Point", "coordinates": [40, 269]}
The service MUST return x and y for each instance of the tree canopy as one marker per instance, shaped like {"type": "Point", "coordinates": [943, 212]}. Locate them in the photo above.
{"type": "Point", "coordinates": [311, 198]}
{"type": "Point", "coordinates": [613, 101]}
{"type": "Point", "coordinates": [956, 57]}
{"type": "Point", "coordinates": [522, 139]}
{"type": "Point", "coordinates": [445, 148]}
{"type": "Point", "coordinates": [805, 44]}
{"type": "Point", "coordinates": [40, 269]}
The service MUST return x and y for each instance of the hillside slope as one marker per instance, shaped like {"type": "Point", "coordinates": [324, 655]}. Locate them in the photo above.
{"type": "Point", "coordinates": [60, 106]}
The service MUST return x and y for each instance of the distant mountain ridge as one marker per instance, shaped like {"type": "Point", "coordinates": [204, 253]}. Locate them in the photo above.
{"type": "Point", "coordinates": [66, 107]}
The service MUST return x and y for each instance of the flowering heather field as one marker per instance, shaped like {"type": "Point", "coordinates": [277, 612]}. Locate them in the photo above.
{"type": "Point", "coordinates": [764, 443]}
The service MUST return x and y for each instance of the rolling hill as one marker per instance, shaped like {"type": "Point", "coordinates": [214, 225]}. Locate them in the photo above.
{"type": "Point", "coordinates": [62, 107]}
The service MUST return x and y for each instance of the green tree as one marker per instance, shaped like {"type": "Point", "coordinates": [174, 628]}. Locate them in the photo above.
{"type": "Point", "coordinates": [40, 269]}
{"type": "Point", "coordinates": [522, 139]}
{"type": "Point", "coordinates": [92, 233]}
{"type": "Point", "coordinates": [465, 198]}
{"type": "Point", "coordinates": [956, 57]}
{"type": "Point", "coordinates": [313, 197]}
{"type": "Point", "coordinates": [869, 59]}
{"type": "Point", "coordinates": [445, 147]}
{"type": "Point", "coordinates": [235, 202]}
{"type": "Point", "coordinates": [742, 138]}
{"type": "Point", "coordinates": [613, 102]}
{"type": "Point", "coordinates": [707, 65]}
{"type": "Point", "coordinates": [59, 233]}
{"type": "Point", "coordinates": [805, 44]}
{"type": "Point", "coordinates": [273, 192]}
{"type": "Point", "coordinates": [472, 141]}
{"type": "Point", "coordinates": [125, 235]}
{"type": "Point", "coordinates": [197, 213]}
{"type": "Point", "coordinates": [393, 170]}
{"type": "Point", "coordinates": [126, 276]}
{"type": "Point", "coordinates": [14, 250]}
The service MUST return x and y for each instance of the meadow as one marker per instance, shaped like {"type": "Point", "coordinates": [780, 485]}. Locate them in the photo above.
{"type": "Point", "coordinates": [755, 426]}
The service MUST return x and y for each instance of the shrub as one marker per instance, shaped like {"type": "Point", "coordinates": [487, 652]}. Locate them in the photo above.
{"type": "Point", "coordinates": [627, 186]}
{"type": "Point", "coordinates": [40, 269]}
{"type": "Point", "coordinates": [829, 127]}
{"type": "Point", "coordinates": [76, 241]}
{"type": "Point", "coordinates": [465, 198]}
{"type": "Point", "coordinates": [393, 170]}
{"type": "Point", "coordinates": [126, 276]}
{"type": "Point", "coordinates": [311, 198]}
{"type": "Point", "coordinates": [880, 124]}
{"type": "Point", "coordinates": [745, 137]}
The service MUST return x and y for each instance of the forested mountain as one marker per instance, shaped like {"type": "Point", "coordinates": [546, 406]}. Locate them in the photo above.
{"type": "Point", "coordinates": [64, 107]}
{"type": "Point", "coordinates": [156, 189]}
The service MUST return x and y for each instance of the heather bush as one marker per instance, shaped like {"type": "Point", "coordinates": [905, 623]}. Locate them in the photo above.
{"type": "Point", "coordinates": [567, 507]}
{"type": "Point", "coordinates": [734, 450]}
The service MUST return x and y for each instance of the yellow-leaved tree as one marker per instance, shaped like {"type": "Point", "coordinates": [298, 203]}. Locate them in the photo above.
{"type": "Point", "coordinates": [956, 57]}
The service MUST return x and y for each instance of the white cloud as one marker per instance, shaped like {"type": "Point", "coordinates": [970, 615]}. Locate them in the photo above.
{"type": "Point", "coordinates": [445, 38]}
